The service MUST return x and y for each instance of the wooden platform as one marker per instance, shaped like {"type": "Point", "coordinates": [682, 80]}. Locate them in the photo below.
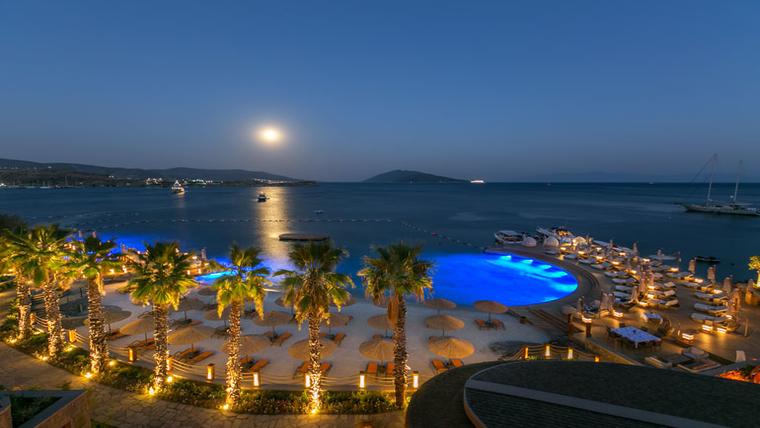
{"type": "Point", "coordinates": [304, 237]}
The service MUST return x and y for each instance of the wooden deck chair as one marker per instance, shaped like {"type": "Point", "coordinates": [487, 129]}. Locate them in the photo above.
{"type": "Point", "coordinates": [325, 368]}
{"type": "Point", "coordinates": [439, 366]}
{"type": "Point", "coordinates": [339, 338]}
{"type": "Point", "coordinates": [377, 336]}
{"type": "Point", "coordinates": [457, 362]}
{"type": "Point", "coordinates": [481, 324]}
{"type": "Point", "coordinates": [281, 338]}
{"type": "Point", "coordinates": [498, 323]}
{"type": "Point", "coordinates": [202, 356]}
{"type": "Point", "coordinates": [371, 369]}
{"type": "Point", "coordinates": [259, 365]}
{"type": "Point", "coordinates": [390, 369]}
{"type": "Point", "coordinates": [302, 369]}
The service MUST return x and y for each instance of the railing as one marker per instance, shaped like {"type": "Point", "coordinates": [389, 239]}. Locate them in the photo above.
{"type": "Point", "coordinates": [360, 380]}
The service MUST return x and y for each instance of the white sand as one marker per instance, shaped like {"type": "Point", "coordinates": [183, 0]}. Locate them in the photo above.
{"type": "Point", "coordinates": [346, 360]}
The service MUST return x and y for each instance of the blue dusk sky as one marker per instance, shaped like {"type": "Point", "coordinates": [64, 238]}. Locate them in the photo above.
{"type": "Point", "coordinates": [500, 90]}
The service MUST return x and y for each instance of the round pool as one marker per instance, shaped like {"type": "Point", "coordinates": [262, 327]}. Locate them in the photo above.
{"type": "Point", "coordinates": [506, 278]}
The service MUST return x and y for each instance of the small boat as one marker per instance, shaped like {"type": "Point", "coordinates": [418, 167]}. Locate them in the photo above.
{"type": "Point", "coordinates": [262, 197]}
{"type": "Point", "coordinates": [707, 259]}
{"type": "Point", "coordinates": [177, 188]}
{"type": "Point", "coordinates": [506, 237]}
{"type": "Point", "coordinates": [319, 212]}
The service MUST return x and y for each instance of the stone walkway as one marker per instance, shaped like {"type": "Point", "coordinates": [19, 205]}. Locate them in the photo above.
{"type": "Point", "coordinates": [125, 409]}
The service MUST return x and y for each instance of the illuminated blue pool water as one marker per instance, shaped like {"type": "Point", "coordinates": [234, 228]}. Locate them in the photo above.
{"type": "Point", "coordinates": [508, 279]}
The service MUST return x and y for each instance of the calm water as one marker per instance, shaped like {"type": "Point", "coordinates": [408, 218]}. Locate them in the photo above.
{"type": "Point", "coordinates": [466, 212]}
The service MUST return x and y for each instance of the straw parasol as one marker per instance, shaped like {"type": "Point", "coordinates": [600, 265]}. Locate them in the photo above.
{"type": "Point", "coordinates": [336, 320]}
{"type": "Point", "coordinates": [249, 344]}
{"type": "Point", "coordinates": [110, 317]}
{"type": "Point", "coordinates": [272, 319]}
{"type": "Point", "coordinates": [451, 347]}
{"type": "Point", "coordinates": [380, 322]}
{"type": "Point", "coordinates": [444, 322]}
{"type": "Point", "coordinates": [382, 302]}
{"type": "Point", "coordinates": [138, 302]}
{"type": "Point", "coordinates": [189, 305]}
{"type": "Point", "coordinates": [349, 301]}
{"type": "Point", "coordinates": [213, 315]}
{"type": "Point", "coordinates": [190, 335]}
{"type": "Point", "coordinates": [377, 349]}
{"type": "Point", "coordinates": [440, 304]}
{"type": "Point", "coordinates": [300, 350]}
{"type": "Point", "coordinates": [490, 306]}
{"type": "Point", "coordinates": [142, 325]}
{"type": "Point", "coordinates": [281, 303]}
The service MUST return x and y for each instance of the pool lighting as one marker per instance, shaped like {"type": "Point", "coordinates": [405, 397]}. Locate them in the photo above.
{"type": "Point", "coordinates": [617, 314]}
{"type": "Point", "coordinates": [721, 330]}
{"type": "Point", "coordinates": [112, 363]}
{"type": "Point", "coordinates": [585, 319]}
{"type": "Point", "coordinates": [548, 351]}
{"type": "Point", "coordinates": [569, 353]}
{"type": "Point", "coordinates": [362, 383]}
{"type": "Point", "coordinates": [256, 382]}
{"type": "Point", "coordinates": [415, 380]}
{"type": "Point", "coordinates": [699, 280]}
{"type": "Point", "coordinates": [687, 336]}
{"type": "Point", "coordinates": [151, 391]}
{"type": "Point", "coordinates": [707, 328]}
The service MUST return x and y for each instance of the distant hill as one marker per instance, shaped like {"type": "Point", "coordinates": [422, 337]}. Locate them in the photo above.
{"type": "Point", "coordinates": [404, 176]}
{"type": "Point", "coordinates": [137, 173]}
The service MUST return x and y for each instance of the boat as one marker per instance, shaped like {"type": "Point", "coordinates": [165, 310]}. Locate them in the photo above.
{"type": "Point", "coordinates": [262, 197]}
{"type": "Point", "coordinates": [177, 188]}
{"type": "Point", "coordinates": [506, 237]}
{"type": "Point", "coordinates": [319, 212]}
{"type": "Point", "coordinates": [707, 259]}
{"type": "Point", "coordinates": [716, 207]}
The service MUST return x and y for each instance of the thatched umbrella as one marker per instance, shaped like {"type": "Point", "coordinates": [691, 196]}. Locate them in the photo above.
{"type": "Point", "coordinates": [213, 315]}
{"type": "Point", "coordinates": [336, 320]}
{"type": "Point", "coordinates": [451, 347]}
{"type": "Point", "coordinates": [207, 291]}
{"type": "Point", "coordinates": [444, 322]}
{"type": "Point", "coordinates": [281, 303]}
{"type": "Point", "coordinates": [382, 302]}
{"type": "Point", "coordinates": [142, 325]}
{"type": "Point", "coordinates": [249, 344]}
{"type": "Point", "coordinates": [138, 302]}
{"type": "Point", "coordinates": [440, 304]}
{"type": "Point", "coordinates": [377, 349]}
{"type": "Point", "coordinates": [380, 322]}
{"type": "Point", "coordinates": [189, 305]}
{"type": "Point", "coordinates": [300, 350]}
{"type": "Point", "coordinates": [272, 319]}
{"type": "Point", "coordinates": [349, 301]}
{"type": "Point", "coordinates": [190, 335]}
{"type": "Point", "coordinates": [490, 306]}
{"type": "Point", "coordinates": [110, 317]}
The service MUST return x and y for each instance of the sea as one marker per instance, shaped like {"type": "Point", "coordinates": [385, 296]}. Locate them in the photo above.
{"type": "Point", "coordinates": [448, 219]}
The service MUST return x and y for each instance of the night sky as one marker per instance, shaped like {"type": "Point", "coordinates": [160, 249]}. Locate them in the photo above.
{"type": "Point", "coordinates": [493, 90]}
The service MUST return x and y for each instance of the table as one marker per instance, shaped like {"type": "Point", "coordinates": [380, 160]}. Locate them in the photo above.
{"type": "Point", "coordinates": [635, 335]}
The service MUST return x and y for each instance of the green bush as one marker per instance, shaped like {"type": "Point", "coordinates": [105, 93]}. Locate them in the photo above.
{"type": "Point", "coordinates": [272, 402]}
{"type": "Point", "coordinates": [357, 402]}
{"type": "Point", "coordinates": [194, 393]}
{"type": "Point", "coordinates": [25, 408]}
{"type": "Point", "coordinates": [127, 376]}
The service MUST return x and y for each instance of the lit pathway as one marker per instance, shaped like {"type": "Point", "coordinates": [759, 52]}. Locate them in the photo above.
{"type": "Point", "coordinates": [125, 409]}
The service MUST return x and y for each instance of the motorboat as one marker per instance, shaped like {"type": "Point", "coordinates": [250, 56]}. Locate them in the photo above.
{"type": "Point", "coordinates": [506, 237]}
{"type": "Point", "coordinates": [262, 197]}
{"type": "Point", "coordinates": [715, 207]}
{"type": "Point", "coordinates": [707, 259]}
{"type": "Point", "coordinates": [177, 188]}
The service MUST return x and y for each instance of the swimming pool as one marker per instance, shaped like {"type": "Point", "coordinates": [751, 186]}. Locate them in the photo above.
{"type": "Point", "coordinates": [506, 278]}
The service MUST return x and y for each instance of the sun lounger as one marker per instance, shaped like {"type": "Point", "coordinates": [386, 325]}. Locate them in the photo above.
{"type": "Point", "coordinates": [707, 319]}
{"type": "Point", "coordinates": [660, 293]}
{"type": "Point", "coordinates": [221, 331]}
{"type": "Point", "coordinates": [457, 363]}
{"type": "Point", "coordinates": [304, 368]}
{"type": "Point", "coordinates": [339, 338]}
{"type": "Point", "coordinates": [143, 344]}
{"type": "Point", "coordinates": [601, 266]}
{"type": "Point", "coordinates": [621, 295]}
{"type": "Point", "coordinates": [325, 368]}
{"type": "Point", "coordinates": [497, 323]}
{"type": "Point", "coordinates": [571, 256]}
{"type": "Point", "coordinates": [710, 297]}
{"type": "Point", "coordinates": [663, 304]}
{"type": "Point", "coordinates": [371, 369]}
{"type": "Point", "coordinates": [623, 281]}
{"type": "Point", "coordinates": [245, 360]}
{"type": "Point", "coordinates": [657, 362]}
{"type": "Point", "coordinates": [377, 336]}
{"type": "Point", "coordinates": [552, 252]}
{"type": "Point", "coordinates": [438, 366]}
{"type": "Point", "coordinates": [180, 355]}
{"type": "Point", "coordinates": [260, 364]}
{"type": "Point", "coordinates": [697, 366]}
{"type": "Point", "coordinates": [390, 369]}
{"type": "Point", "coordinates": [279, 339]}
{"type": "Point", "coordinates": [201, 357]}
{"type": "Point", "coordinates": [115, 334]}
{"type": "Point", "coordinates": [623, 289]}
{"type": "Point", "coordinates": [482, 324]}
{"type": "Point", "coordinates": [710, 309]}
{"type": "Point", "coordinates": [250, 313]}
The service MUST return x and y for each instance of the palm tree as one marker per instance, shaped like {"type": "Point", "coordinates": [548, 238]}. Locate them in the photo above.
{"type": "Point", "coordinates": [396, 273]}
{"type": "Point", "coordinates": [754, 264]}
{"type": "Point", "coordinates": [12, 260]}
{"type": "Point", "coordinates": [310, 289]}
{"type": "Point", "coordinates": [92, 259]}
{"type": "Point", "coordinates": [41, 254]}
{"type": "Point", "coordinates": [161, 276]}
{"type": "Point", "coordinates": [246, 281]}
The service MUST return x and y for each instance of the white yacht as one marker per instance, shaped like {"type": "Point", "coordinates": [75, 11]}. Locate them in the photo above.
{"type": "Point", "coordinates": [506, 237]}
{"type": "Point", "coordinates": [262, 197]}
{"type": "Point", "coordinates": [177, 188]}
{"type": "Point", "coordinates": [715, 207]}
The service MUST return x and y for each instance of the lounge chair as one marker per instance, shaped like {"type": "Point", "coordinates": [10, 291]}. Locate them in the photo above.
{"type": "Point", "coordinates": [371, 369]}
{"type": "Point", "coordinates": [707, 319]}
{"type": "Point", "coordinates": [302, 369]}
{"type": "Point", "coordinates": [457, 363]}
{"type": "Point", "coordinates": [697, 366]}
{"type": "Point", "coordinates": [710, 297]}
{"type": "Point", "coordinates": [497, 323]}
{"type": "Point", "coordinates": [221, 331]}
{"type": "Point", "coordinates": [143, 344]}
{"type": "Point", "coordinates": [710, 309]}
{"type": "Point", "coordinates": [339, 338]}
{"type": "Point", "coordinates": [438, 366]}
{"type": "Point", "coordinates": [250, 313]}
{"type": "Point", "coordinates": [325, 368]}
{"type": "Point", "coordinates": [657, 362]}
{"type": "Point", "coordinates": [181, 355]}
{"type": "Point", "coordinates": [279, 339]}
{"type": "Point", "coordinates": [245, 360]}
{"type": "Point", "coordinates": [201, 357]}
{"type": "Point", "coordinates": [390, 369]}
{"type": "Point", "coordinates": [115, 334]}
{"type": "Point", "coordinates": [260, 364]}
{"type": "Point", "coordinates": [377, 336]}
{"type": "Point", "coordinates": [482, 324]}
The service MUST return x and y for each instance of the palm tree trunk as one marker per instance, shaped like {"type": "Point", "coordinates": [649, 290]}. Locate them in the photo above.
{"type": "Point", "coordinates": [400, 354]}
{"type": "Point", "coordinates": [24, 294]}
{"type": "Point", "coordinates": [98, 341]}
{"type": "Point", "coordinates": [233, 362]}
{"type": "Point", "coordinates": [315, 369]}
{"type": "Point", "coordinates": [53, 315]}
{"type": "Point", "coordinates": [161, 314]}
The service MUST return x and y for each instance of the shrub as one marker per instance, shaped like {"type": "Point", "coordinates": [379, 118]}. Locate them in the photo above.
{"type": "Point", "coordinates": [194, 393]}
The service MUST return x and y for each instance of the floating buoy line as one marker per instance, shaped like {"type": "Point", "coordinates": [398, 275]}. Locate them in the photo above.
{"type": "Point", "coordinates": [89, 226]}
